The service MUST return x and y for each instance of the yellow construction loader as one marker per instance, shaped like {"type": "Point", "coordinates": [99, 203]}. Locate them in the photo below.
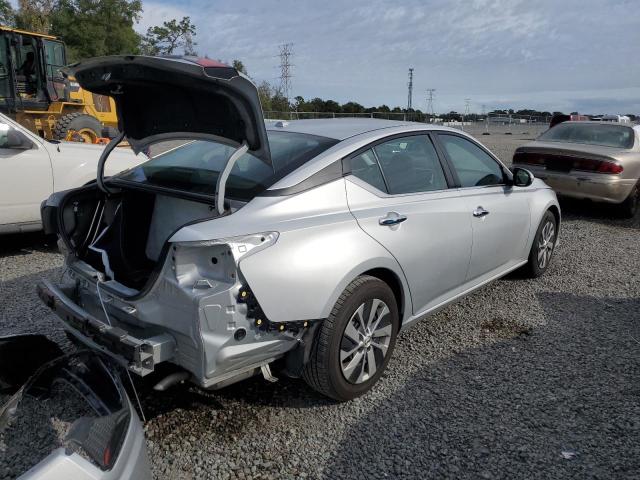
{"type": "Point", "coordinates": [34, 92]}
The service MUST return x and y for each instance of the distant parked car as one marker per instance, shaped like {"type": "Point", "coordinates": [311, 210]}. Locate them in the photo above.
{"type": "Point", "coordinates": [306, 245]}
{"type": "Point", "coordinates": [561, 117]}
{"type": "Point", "coordinates": [588, 160]}
{"type": "Point", "coordinates": [32, 168]}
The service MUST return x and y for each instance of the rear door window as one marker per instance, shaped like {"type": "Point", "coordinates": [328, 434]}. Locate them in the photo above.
{"type": "Point", "coordinates": [474, 166]}
{"type": "Point", "coordinates": [410, 164]}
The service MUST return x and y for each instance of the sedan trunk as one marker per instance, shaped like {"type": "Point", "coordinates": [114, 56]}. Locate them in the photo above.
{"type": "Point", "coordinates": [124, 236]}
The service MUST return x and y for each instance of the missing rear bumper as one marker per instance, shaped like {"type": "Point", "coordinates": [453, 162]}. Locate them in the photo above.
{"type": "Point", "coordinates": [140, 355]}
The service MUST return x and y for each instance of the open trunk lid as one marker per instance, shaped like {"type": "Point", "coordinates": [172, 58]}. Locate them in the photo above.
{"type": "Point", "coordinates": [162, 98]}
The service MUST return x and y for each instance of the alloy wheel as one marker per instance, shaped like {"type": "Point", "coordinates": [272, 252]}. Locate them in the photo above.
{"type": "Point", "coordinates": [546, 244]}
{"type": "Point", "coordinates": [365, 341]}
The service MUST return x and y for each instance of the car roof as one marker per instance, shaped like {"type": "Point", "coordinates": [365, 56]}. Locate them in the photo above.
{"type": "Point", "coordinates": [597, 122]}
{"type": "Point", "coordinates": [338, 128]}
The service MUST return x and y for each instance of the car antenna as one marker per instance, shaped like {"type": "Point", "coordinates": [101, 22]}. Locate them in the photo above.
{"type": "Point", "coordinates": [106, 315]}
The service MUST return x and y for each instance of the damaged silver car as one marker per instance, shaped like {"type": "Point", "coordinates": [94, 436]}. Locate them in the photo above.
{"type": "Point", "coordinates": [65, 415]}
{"type": "Point", "coordinates": [307, 245]}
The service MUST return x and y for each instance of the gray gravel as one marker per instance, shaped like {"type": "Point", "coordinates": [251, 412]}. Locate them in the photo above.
{"type": "Point", "coordinates": [39, 427]}
{"type": "Point", "coordinates": [523, 379]}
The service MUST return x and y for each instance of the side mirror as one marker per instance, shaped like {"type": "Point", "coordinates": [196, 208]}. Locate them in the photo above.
{"type": "Point", "coordinates": [17, 140]}
{"type": "Point", "coordinates": [522, 177]}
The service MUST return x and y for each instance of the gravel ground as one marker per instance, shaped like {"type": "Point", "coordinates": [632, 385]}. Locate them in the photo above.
{"type": "Point", "coordinates": [524, 378]}
{"type": "Point", "coordinates": [40, 426]}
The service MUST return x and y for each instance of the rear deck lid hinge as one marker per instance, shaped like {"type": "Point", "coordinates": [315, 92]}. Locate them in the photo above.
{"type": "Point", "coordinates": [224, 175]}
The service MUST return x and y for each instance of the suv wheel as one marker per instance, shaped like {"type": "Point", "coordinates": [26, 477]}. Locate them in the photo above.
{"type": "Point", "coordinates": [543, 245]}
{"type": "Point", "coordinates": [353, 346]}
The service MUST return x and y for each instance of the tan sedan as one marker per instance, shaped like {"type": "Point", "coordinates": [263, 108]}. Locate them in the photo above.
{"type": "Point", "coordinates": [588, 160]}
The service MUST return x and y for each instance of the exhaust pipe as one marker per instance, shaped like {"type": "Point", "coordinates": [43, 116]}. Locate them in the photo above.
{"type": "Point", "coordinates": [170, 380]}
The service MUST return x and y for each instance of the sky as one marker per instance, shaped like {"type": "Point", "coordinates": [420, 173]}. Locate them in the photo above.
{"type": "Point", "coordinates": [565, 55]}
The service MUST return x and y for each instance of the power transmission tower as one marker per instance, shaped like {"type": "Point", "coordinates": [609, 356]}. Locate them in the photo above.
{"type": "Point", "coordinates": [430, 95]}
{"type": "Point", "coordinates": [410, 99]}
{"type": "Point", "coordinates": [286, 52]}
{"type": "Point", "coordinates": [467, 103]}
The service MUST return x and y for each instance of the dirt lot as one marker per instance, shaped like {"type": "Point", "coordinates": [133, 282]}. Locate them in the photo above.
{"type": "Point", "coordinates": [523, 379]}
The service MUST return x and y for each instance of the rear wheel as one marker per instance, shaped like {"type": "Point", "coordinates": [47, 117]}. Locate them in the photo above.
{"type": "Point", "coordinates": [353, 346]}
{"type": "Point", "coordinates": [79, 127]}
{"type": "Point", "coordinates": [543, 245]}
{"type": "Point", "coordinates": [629, 207]}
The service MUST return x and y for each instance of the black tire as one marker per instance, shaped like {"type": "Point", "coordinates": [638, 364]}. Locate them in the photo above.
{"type": "Point", "coordinates": [77, 122]}
{"type": "Point", "coordinates": [534, 267]}
{"type": "Point", "coordinates": [629, 207]}
{"type": "Point", "coordinates": [324, 371]}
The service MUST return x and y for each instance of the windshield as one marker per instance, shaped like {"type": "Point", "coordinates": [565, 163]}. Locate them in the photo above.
{"type": "Point", "coordinates": [590, 134]}
{"type": "Point", "coordinates": [194, 166]}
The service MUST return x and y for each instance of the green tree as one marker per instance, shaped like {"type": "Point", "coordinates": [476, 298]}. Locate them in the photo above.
{"type": "Point", "coordinates": [92, 28]}
{"type": "Point", "coordinates": [7, 14]}
{"type": "Point", "coordinates": [331, 106]}
{"type": "Point", "coordinates": [279, 102]}
{"type": "Point", "coordinates": [264, 93]}
{"type": "Point", "coordinates": [35, 15]}
{"type": "Point", "coordinates": [352, 107]}
{"type": "Point", "coordinates": [169, 37]}
{"type": "Point", "coordinates": [239, 66]}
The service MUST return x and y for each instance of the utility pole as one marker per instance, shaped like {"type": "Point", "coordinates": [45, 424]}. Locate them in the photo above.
{"type": "Point", "coordinates": [286, 52]}
{"type": "Point", "coordinates": [486, 118]}
{"type": "Point", "coordinates": [410, 98]}
{"type": "Point", "coordinates": [430, 95]}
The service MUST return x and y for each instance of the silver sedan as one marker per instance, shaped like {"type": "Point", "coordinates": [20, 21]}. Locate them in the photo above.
{"type": "Point", "coordinates": [302, 246]}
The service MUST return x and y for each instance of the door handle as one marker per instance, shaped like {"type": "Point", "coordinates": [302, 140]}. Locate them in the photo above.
{"type": "Point", "coordinates": [480, 212]}
{"type": "Point", "coordinates": [392, 218]}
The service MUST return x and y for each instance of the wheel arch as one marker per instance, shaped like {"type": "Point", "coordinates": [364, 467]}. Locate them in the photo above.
{"type": "Point", "coordinates": [556, 213]}
{"type": "Point", "coordinates": [544, 201]}
{"type": "Point", "coordinates": [395, 284]}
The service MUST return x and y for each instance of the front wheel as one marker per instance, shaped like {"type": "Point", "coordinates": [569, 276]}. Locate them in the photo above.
{"type": "Point", "coordinates": [353, 346]}
{"type": "Point", "coordinates": [543, 245]}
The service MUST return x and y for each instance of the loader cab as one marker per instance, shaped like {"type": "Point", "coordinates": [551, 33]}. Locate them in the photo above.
{"type": "Point", "coordinates": [30, 76]}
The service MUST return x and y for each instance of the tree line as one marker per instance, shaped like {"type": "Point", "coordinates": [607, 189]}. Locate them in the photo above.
{"type": "Point", "coordinates": [92, 28]}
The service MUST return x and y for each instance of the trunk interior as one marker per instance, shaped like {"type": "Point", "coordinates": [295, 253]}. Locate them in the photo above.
{"type": "Point", "coordinates": [124, 236]}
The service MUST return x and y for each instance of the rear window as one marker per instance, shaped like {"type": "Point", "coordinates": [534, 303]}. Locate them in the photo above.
{"type": "Point", "coordinates": [194, 166]}
{"type": "Point", "coordinates": [617, 136]}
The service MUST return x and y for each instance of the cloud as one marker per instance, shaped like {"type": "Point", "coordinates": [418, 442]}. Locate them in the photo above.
{"type": "Point", "coordinates": [154, 13]}
{"type": "Point", "coordinates": [544, 51]}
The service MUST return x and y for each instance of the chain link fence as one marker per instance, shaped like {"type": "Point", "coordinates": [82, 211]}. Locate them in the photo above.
{"type": "Point", "coordinates": [273, 115]}
{"type": "Point", "coordinates": [506, 124]}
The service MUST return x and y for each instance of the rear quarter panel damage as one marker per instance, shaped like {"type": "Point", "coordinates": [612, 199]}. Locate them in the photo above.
{"type": "Point", "coordinates": [304, 273]}
{"type": "Point", "coordinates": [320, 250]}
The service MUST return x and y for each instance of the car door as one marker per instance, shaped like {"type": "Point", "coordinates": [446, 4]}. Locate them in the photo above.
{"type": "Point", "coordinates": [500, 214]}
{"type": "Point", "coordinates": [399, 193]}
{"type": "Point", "coordinates": [25, 176]}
